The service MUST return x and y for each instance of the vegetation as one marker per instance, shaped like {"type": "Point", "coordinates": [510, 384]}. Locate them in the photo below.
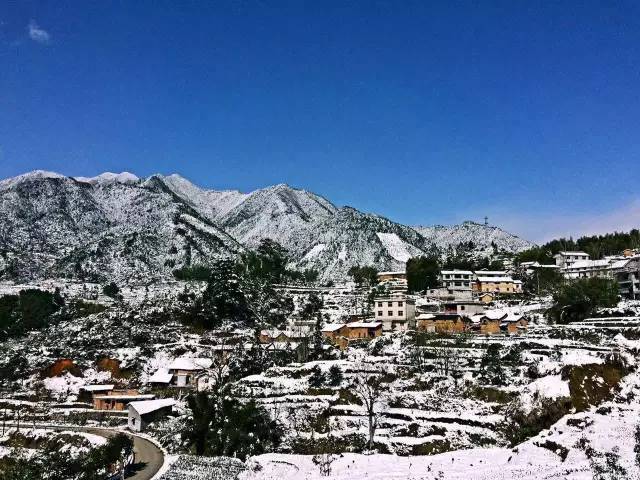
{"type": "Point", "coordinates": [222, 425]}
{"type": "Point", "coordinates": [364, 276]}
{"type": "Point", "coordinates": [491, 370]}
{"type": "Point", "coordinates": [29, 310]}
{"type": "Point", "coordinates": [576, 300]}
{"type": "Point", "coordinates": [53, 462]}
{"type": "Point", "coordinates": [197, 273]}
{"type": "Point", "coordinates": [111, 290]}
{"type": "Point", "coordinates": [422, 273]}
{"type": "Point", "coordinates": [597, 246]}
{"type": "Point", "coordinates": [522, 423]}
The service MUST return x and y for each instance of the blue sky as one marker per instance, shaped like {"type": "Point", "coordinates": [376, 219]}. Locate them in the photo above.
{"type": "Point", "coordinates": [425, 112]}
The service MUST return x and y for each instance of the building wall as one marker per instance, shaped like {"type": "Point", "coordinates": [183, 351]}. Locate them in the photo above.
{"type": "Point", "coordinates": [490, 327]}
{"type": "Point", "coordinates": [396, 314]}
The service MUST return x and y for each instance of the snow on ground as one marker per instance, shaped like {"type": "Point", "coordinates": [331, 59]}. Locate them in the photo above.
{"type": "Point", "coordinates": [396, 247]}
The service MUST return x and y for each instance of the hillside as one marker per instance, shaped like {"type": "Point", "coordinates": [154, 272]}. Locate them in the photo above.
{"type": "Point", "coordinates": [120, 227]}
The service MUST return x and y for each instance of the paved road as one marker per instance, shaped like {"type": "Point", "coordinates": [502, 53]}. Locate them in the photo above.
{"type": "Point", "coordinates": [148, 457]}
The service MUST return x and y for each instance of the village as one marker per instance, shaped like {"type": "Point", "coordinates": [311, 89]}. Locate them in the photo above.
{"type": "Point", "coordinates": [455, 358]}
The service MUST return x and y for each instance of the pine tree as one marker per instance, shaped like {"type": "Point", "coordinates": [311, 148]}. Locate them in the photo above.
{"type": "Point", "coordinates": [335, 375]}
{"type": "Point", "coordinates": [317, 378]}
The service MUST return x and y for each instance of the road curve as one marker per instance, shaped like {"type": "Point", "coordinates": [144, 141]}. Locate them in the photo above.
{"type": "Point", "coordinates": [149, 458]}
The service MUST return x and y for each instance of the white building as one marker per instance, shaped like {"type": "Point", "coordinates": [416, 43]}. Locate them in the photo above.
{"type": "Point", "coordinates": [566, 259]}
{"type": "Point", "coordinates": [396, 313]}
{"type": "Point", "coordinates": [141, 414]}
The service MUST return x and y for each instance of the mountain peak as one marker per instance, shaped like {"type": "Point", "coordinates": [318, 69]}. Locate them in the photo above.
{"type": "Point", "coordinates": [33, 175]}
{"type": "Point", "coordinates": [107, 178]}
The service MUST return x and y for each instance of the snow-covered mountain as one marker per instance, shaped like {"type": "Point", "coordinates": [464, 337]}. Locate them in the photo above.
{"type": "Point", "coordinates": [482, 236]}
{"type": "Point", "coordinates": [119, 227]}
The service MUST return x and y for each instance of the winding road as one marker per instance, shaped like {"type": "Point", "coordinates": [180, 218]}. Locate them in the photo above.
{"type": "Point", "coordinates": [148, 457]}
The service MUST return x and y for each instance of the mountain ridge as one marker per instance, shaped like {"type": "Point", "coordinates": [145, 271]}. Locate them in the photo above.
{"type": "Point", "coordinates": [121, 227]}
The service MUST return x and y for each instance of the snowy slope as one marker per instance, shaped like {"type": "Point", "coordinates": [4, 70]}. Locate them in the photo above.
{"type": "Point", "coordinates": [481, 235]}
{"type": "Point", "coordinates": [116, 225]}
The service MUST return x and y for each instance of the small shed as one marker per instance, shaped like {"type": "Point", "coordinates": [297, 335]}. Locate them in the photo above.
{"type": "Point", "coordinates": [141, 414]}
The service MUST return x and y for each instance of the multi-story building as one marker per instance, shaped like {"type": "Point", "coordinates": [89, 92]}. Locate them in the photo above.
{"type": "Point", "coordinates": [627, 274]}
{"type": "Point", "coordinates": [456, 280]}
{"type": "Point", "coordinates": [397, 312]}
{"type": "Point", "coordinates": [566, 259]}
{"type": "Point", "coordinates": [495, 284]}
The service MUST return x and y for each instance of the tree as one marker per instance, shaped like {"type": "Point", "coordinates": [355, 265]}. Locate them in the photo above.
{"type": "Point", "coordinates": [267, 262]}
{"type": "Point", "coordinates": [224, 298]}
{"type": "Point", "coordinates": [111, 290]}
{"type": "Point", "coordinates": [576, 300]}
{"type": "Point", "coordinates": [317, 378]}
{"type": "Point", "coordinates": [543, 281]}
{"type": "Point", "coordinates": [222, 425]}
{"type": "Point", "coordinates": [31, 309]}
{"type": "Point", "coordinates": [312, 307]}
{"type": "Point", "coordinates": [491, 365]}
{"type": "Point", "coordinates": [363, 276]}
{"type": "Point", "coordinates": [422, 273]}
{"type": "Point", "coordinates": [335, 375]}
{"type": "Point", "coordinates": [367, 388]}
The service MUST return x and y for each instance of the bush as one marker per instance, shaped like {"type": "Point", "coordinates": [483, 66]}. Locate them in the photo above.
{"type": "Point", "coordinates": [521, 424]}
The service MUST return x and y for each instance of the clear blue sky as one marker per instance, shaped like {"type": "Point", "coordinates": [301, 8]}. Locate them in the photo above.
{"type": "Point", "coordinates": [425, 112]}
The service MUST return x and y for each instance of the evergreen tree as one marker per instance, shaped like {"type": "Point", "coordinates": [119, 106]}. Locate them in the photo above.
{"type": "Point", "coordinates": [491, 369]}
{"type": "Point", "coordinates": [317, 378]}
{"type": "Point", "coordinates": [422, 273]}
{"type": "Point", "coordinates": [111, 290]}
{"type": "Point", "coordinates": [224, 298]}
{"type": "Point", "coordinates": [576, 300]}
{"type": "Point", "coordinates": [335, 375]}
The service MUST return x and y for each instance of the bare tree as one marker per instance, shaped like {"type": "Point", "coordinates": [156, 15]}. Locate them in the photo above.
{"type": "Point", "coordinates": [367, 388]}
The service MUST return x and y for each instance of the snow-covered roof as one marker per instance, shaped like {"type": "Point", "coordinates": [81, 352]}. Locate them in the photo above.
{"type": "Point", "coordinates": [399, 272]}
{"type": "Point", "coordinates": [333, 327]}
{"type": "Point", "coordinates": [162, 375]}
{"type": "Point", "coordinates": [425, 316]}
{"type": "Point", "coordinates": [149, 406]}
{"type": "Point", "coordinates": [190, 363]}
{"type": "Point", "coordinates": [364, 325]}
{"type": "Point", "coordinates": [459, 272]}
{"type": "Point", "coordinates": [500, 273]}
{"type": "Point", "coordinates": [146, 396]}
{"type": "Point", "coordinates": [565, 253]}
{"type": "Point", "coordinates": [495, 279]}
{"type": "Point", "coordinates": [495, 314]}
{"type": "Point", "coordinates": [589, 264]}
{"type": "Point", "coordinates": [97, 388]}
{"type": "Point", "coordinates": [274, 332]}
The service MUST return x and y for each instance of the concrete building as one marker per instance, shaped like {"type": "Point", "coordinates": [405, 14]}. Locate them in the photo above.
{"type": "Point", "coordinates": [627, 274]}
{"type": "Point", "coordinates": [498, 285]}
{"type": "Point", "coordinates": [456, 281]}
{"type": "Point", "coordinates": [566, 259]}
{"type": "Point", "coordinates": [396, 313]}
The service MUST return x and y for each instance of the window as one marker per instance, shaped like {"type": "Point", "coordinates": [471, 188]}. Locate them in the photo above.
{"type": "Point", "coordinates": [461, 307]}
{"type": "Point", "coordinates": [400, 304]}
{"type": "Point", "coordinates": [379, 313]}
{"type": "Point", "coordinates": [458, 284]}
{"type": "Point", "coordinates": [379, 304]}
{"type": "Point", "coordinates": [400, 314]}
{"type": "Point", "coordinates": [389, 304]}
{"type": "Point", "coordinates": [390, 313]}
